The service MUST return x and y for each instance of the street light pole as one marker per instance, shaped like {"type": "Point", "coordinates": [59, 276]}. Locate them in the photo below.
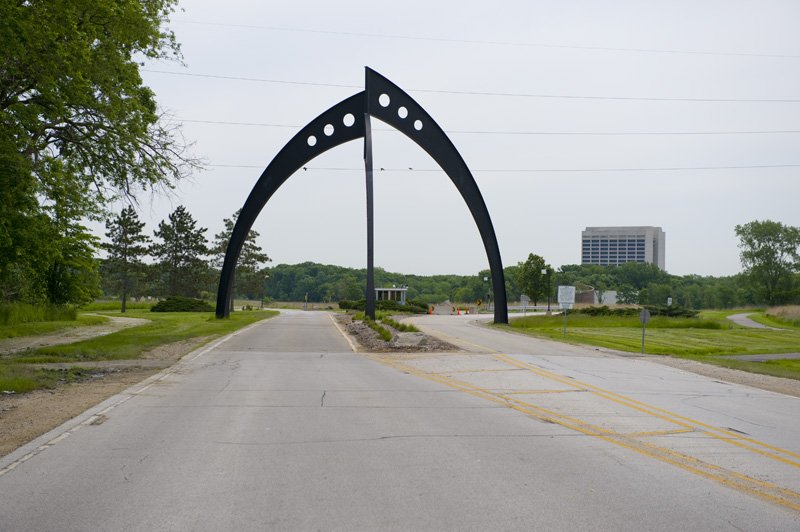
{"type": "Point", "coordinates": [547, 271]}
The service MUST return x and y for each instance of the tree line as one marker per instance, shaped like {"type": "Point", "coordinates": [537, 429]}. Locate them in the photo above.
{"type": "Point", "coordinates": [184, 263]}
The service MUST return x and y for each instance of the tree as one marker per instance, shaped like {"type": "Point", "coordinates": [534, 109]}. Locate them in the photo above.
{"type": "Point", "coordinates": [125, 251]}
{"type": "Point", "coordinates": [180, 254]}
{"type": "Point", "coordinates": [770, 258]}
{"type": "Point", "coordinates": [532, 282]}
{"type": "Point", "coordinates": [249, 275]}
{"type": "Point", "coordinates": [71, 93]}
{"type": "Point", "coordinates": [78, 128]}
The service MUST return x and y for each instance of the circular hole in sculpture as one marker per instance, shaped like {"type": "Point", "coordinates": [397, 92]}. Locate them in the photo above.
{"type": "Point", "coordinates": [348, 120]}
{"type": "Point", "coordinates": [328, 129]}
{"type": "Point", "coordinates": [312, 140]}
{"type": "Point", "coordinates": [402, 112]}
{"type": "Point", "coordinates": [384, 100]}
{"type": "Point", "coordinates": [418, 125]}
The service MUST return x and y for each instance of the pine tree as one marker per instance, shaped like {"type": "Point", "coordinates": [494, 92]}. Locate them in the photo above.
{"type": "Point", "coordinates": [180, 255]}
{"type": "Point", "coordinates": [249, 275]}
{"type": "Point", "coordinates": [125, 251]}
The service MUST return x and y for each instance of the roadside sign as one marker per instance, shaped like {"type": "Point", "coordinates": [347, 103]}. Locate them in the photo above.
{"type": "Point", "coordinates": [566, 297]}
{"type": "Point", "coordinates": [524, 298]}
{"type": "Point", "coordinates": [669, 301]}
{"type": "Point", "coordinates": [566, 294]}
{"type": "Point", "coordinates": [644, 317]}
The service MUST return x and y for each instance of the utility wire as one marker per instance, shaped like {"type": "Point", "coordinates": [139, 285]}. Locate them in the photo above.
{"type": "Point", "coordinates": [555, 133]}
{"type": "Point", "coordinates": [476, 93]}
{"type": "Point", "coordinates": [532, 170]}
{"type": "Point", "coordinates": [496, 43]}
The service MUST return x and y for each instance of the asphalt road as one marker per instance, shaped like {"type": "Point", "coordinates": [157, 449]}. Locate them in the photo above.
{"type": "Point", "coordinates": [284, 427]}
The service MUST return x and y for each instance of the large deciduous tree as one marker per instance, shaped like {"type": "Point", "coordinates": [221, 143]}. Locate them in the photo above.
{"type": "Point", "coordinates": [127, 246]}
{"type": "Point", "coordinates": [530, 279]}
{"type": "Point", "coordinates": [77, 126]}
{"type": "Point", "coordinates": [770, 258]}
{"type": "Point", "coordinates": [250, 274]}
{"type": "Point", "coordinates": [180, 254]}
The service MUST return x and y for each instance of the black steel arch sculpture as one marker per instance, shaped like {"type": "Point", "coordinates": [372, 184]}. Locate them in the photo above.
{"type": "Point", "coordinates": [349, 120]}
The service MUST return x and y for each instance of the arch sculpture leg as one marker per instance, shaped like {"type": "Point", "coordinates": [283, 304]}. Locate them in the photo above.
{"type": "Point", "coordinates": [406, 115]}
{"type": "Point", "coordinates": [310, 142]}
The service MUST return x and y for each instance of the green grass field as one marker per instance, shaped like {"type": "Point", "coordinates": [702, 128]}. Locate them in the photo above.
{"type": "Point", "coordinates": [704, 338]}
{"type": "Point", "coordinates": [164, 328]}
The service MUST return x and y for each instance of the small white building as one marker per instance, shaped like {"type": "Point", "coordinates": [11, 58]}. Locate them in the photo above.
{"type": "Point", "coordinates": [392, 294]}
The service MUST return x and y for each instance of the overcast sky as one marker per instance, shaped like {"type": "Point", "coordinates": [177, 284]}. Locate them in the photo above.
{"type": "Point", "coordinates": [679, 114]}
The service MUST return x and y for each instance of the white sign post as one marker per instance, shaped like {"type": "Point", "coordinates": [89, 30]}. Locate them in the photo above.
{"type": "Point", "coordinates": [566, 298]}
{"type": "Point", "coordinates": [525, 300]}
{"type": "Point", "coordinates": [644, 317]}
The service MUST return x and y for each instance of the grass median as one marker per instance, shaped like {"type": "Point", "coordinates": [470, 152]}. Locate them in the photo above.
{"type": "Point", "coordinates": [706, 338]}
{"type": "Point", "coordinates": [17, 375]}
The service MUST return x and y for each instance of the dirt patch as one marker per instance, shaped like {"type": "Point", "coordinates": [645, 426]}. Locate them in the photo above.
{"type": "Point", "coordinates": [24, 418]}
{"type": "Point", "coordinates": [369, 340]}
{"type": "Point", "coordinates": [68, 336]}
{"type": "Point", "coordinates": [176, 350]}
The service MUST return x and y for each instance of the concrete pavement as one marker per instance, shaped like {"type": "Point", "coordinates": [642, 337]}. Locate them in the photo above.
{"type": "Point", "coordinates": [284, 427]}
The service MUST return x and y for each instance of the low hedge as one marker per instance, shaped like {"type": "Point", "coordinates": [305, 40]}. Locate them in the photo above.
{"type": "Point", "coordinates": [672, 311]}
{"type": "Point", "coordinates": [182, 304]}
{"type": "Point", "coordinates": [411, 307]}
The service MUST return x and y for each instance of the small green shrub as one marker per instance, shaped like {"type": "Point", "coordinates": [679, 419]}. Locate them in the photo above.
{"type": "Point", "coordinates": [402, 327]}
{"type": "Point", "coordinates": [382, 332]}
{"type": "Point", "coordinates": [182, 304]}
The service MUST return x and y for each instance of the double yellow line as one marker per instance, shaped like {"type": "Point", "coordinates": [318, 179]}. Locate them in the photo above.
{"type": "Point", "coordinates": [632, 442]}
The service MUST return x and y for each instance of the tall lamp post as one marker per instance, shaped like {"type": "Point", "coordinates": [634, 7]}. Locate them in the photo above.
{"type": "Point", "coordinates": [547, 272]}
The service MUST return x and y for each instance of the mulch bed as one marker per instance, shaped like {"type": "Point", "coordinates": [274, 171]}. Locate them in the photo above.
{"type": "Point", "coordinates": [370, 341]}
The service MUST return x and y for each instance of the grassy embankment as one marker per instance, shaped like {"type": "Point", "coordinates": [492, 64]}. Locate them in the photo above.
{"type": "Point", "coordinates": [20, 319]}
{"type": "Point", "coordinates": [17, 374]}
{"type": "Point", "coordinates": [705, 338]}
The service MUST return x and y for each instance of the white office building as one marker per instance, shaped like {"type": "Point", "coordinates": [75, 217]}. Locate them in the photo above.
{"type": "Point", "coordinates": [612, 246]}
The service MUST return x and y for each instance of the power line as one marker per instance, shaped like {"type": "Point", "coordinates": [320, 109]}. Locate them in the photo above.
{"type": "Point", "coordinates": [495, 43]}
{"type": "Point", "coordinates": [531, 170]}
{"type": "Point", "coordinates": [476, 93]}
{"type": "Point", "coordinates": [542, 133]}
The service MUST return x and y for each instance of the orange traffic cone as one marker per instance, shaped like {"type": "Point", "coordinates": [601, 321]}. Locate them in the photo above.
{"type": "Point", "coordinates": [458, 312]}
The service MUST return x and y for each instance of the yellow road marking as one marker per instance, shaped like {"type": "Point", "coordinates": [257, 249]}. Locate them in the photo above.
{"type": "Point", "coordinates": [632, 402]}
{"type": "Point", "coordinates": [542, 391]}
{"type": "Point", "coordinates": [728, 478]}
{"type": "Point", "coordinates": [723, 476]}
{"type": "Point", "coordinates": [659, 433]}
{"type": "Point", "coordinates": [470, 371]}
